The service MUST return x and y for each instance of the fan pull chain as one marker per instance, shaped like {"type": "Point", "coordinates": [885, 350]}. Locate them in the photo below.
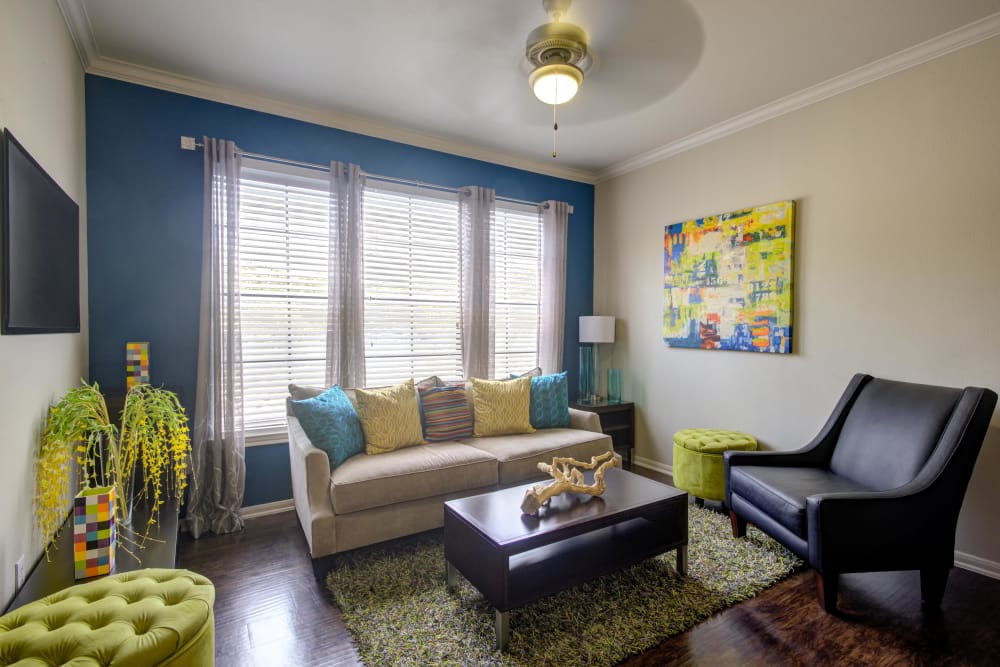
{"type": "Point", "coordinates": [555, 128]}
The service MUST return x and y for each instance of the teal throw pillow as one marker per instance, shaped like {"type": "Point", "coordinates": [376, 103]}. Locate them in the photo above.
{"type": "Point", "coordinates": [550, 401]}
{"type": "Point", "coordinates": [332, 424]}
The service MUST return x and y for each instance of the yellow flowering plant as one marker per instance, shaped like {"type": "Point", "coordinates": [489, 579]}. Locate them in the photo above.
{"type": "Point", "coordinates": [145, 458]}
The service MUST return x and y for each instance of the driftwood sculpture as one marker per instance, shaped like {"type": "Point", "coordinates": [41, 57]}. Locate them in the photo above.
{"type": "Point", "coordinates": [567, 476]}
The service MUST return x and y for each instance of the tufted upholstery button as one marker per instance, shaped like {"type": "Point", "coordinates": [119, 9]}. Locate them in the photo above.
{"type": "Point", "coordinates": [73, 625]}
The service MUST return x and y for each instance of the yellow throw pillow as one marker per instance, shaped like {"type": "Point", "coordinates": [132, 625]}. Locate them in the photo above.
{"type": "Point", "coordinates": [390, 418]}
{"type": "Point", "coordinates": [502, 406]}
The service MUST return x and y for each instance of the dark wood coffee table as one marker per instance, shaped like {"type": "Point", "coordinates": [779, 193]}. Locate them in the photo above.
{"type": "Point", "coordinates": [514, 558]}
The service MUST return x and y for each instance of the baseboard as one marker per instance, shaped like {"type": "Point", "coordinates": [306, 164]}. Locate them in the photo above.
{"type": "Point", "coordinates": [987, 568]}
{"type": "Point", "coordinates": [266, 509]}
{"type": "Point", "coordinates": [651, 464]}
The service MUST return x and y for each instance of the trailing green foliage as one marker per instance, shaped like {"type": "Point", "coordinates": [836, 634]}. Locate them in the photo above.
{"type": "Point", "coordinates": [145, 457]}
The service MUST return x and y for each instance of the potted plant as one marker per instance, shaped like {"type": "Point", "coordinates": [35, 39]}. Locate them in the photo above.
{"type": "Point", "coordinates": [145, 456]}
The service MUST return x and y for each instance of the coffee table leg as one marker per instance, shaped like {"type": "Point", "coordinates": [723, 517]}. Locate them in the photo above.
{"type": "Point", "coordinates": [502, 625]}
{"type": "Point", "coordinates": [682, 559]}
{"type": "Point", "coordinates": [451, 576]}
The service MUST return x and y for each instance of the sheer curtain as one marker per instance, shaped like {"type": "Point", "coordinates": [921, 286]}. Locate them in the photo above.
{"type": "Point", "coordinates": [552, 320]}
{"type": "Point", "coordinates": [477, 224]}
{"type": "Point", "coordinates": [345, 331]}
{"type": "Point", "coordinates": [216, 495]}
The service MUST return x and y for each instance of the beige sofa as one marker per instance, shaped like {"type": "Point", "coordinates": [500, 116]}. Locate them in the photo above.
{"type": "Point", "coordinates": [368, 499]}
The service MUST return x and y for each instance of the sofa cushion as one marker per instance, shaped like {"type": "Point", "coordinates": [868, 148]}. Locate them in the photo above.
{"type": "Point", "coordinates": [519, 455]}
{"type": "Point", "coordinates": [781, 492]}
{"type": "Point", "coordinates": [332, 424]}
{"type": "Point", "coordinates": [502, 406]}
{"type": "Point", "coordinates": [364, 482]}
{"type": "Point", "coordinates": [445, 414]}
{"type": "Point", "coordinates": [549, 401]}
{"type": "Point", "coordinates": [390, 418]}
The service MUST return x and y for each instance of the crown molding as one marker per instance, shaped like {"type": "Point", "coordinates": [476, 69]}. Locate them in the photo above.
{"type": "Point", "coordinates": [936, 47]}
{"type": "Point", "coordinates": [75, 15]}
{"type": "Point", "coordinates": [80, 31]}
{"type": "Point", "coordinates": [162, 80]}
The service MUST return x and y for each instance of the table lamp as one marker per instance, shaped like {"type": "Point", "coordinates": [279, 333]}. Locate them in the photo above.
{"type": "Point", "coordinates": [594, 330]}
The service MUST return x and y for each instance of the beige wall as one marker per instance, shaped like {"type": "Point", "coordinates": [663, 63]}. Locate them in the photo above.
{"type": "Point", "coordinates": [897, 263]}
{"type": "Point", "coordinates": [41, 102]}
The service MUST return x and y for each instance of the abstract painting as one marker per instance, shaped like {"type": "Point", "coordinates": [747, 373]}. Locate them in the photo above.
{"type": "Point", "coordinates": [727, 280]}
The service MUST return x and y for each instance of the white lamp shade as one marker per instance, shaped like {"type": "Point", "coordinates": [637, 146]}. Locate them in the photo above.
{"type": "Point", "coordinates": [597, 329]}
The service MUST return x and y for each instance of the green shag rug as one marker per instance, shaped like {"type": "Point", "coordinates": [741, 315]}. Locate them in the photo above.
{"type": "Point", "coordinates": [395, 603]}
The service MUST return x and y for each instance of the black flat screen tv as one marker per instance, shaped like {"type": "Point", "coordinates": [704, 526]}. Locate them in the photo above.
{"type": "Point", "coordinates": [41, 247]}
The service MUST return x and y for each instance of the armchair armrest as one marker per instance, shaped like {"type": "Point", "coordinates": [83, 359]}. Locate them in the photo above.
{"type": "Point", "coordinates": [867, 531]}
{"type": "Point", "coordinates": [817, 453]}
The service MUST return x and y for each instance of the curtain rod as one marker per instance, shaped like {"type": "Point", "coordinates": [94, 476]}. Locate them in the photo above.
{"type": "Point", "coordinates": [190, 144]}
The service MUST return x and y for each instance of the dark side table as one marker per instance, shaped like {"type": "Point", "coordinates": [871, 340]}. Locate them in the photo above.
{"type": "Point", "coordinates": [51, 576]}
{"type": "Point", "coordinates": [618, 421]}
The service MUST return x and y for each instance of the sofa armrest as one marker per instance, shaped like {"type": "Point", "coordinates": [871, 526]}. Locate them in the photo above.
{"type": "Point", "coordinates": [587, 421]}
{"type": "Point", "coordinates": [310, 468]}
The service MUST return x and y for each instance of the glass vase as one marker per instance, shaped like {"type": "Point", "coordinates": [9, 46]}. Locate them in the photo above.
{"type": "Point", "coordinates": [614, 385]}
{"type": "Point", "coordinates": [586, 380]}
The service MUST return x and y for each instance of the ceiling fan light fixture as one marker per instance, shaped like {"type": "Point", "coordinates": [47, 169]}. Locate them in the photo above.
{"type": "Point", "coordinates": [555, 83]}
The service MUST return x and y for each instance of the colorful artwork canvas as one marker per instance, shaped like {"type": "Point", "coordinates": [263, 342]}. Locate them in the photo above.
{"type": "Point", "coordinates": [136, 364]}
{"type": "Point", "coordinates": [727, 280]}
{"type": "Point", "coordinates": [94, 538]}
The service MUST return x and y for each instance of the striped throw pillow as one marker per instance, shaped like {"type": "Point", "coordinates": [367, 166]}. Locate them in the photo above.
{"type": "Point", "coordinates": [445, 414]}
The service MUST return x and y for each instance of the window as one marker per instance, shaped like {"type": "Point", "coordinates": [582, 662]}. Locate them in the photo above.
{"type": "Point", "coordinates": [411, 283]}
{"type": "Point", "coordinates": [518, 258]}
{"type": "Point", "coordinates": [283, 282]}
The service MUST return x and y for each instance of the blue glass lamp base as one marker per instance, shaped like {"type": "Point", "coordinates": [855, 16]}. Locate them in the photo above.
{"type": "Point", "coordinates": [586, 388]}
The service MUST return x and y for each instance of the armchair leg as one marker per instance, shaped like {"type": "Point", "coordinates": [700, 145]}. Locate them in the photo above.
{"type": "Point", "coordinates": [932, 583]}
{"type": "Point", "coordinates": [827, 584]}
{"type": "Point", "coordinates": [739, 524]}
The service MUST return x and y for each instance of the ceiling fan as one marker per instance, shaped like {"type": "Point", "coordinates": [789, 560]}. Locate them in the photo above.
{"type": "Point", "coordinates": [557, 52]}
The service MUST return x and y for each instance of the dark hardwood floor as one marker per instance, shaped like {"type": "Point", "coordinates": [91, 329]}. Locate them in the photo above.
{"type": "Point", "coordinates": [270, 610]}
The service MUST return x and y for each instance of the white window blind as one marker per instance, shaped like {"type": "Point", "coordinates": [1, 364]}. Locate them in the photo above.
{"type": "Point", "coordinates": [284, 218]}
{"type": "Point", "coordinates": [411, 284]}
{"type": "Point", "coordinates": [518, 260]}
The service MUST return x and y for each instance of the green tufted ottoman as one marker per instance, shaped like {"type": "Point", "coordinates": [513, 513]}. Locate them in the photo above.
{"type": "Point", "coordinates": [141, 618]}
{"type": "Point", "coordinates": [698, 460]}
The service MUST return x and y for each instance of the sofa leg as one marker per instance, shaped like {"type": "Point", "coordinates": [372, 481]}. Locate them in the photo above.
{"type": "Point", "coordinates": [739, 524]}
{"type": "Point", "coordinates": [827, 584]}
{"type": "Point", "coordinates": [321, 567]}
{"type": "Point", "coordinates": [932, 583]}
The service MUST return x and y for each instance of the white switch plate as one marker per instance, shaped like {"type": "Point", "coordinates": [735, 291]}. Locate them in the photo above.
{"type": "Point", "coordinates": [19, 573]}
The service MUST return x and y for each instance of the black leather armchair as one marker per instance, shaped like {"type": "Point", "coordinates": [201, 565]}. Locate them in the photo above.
{"type": "Point", "coordinates": [878, 489]}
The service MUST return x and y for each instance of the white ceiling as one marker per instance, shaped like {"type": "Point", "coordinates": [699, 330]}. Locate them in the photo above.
{"type": "Point", "coordinates": [450, 74]}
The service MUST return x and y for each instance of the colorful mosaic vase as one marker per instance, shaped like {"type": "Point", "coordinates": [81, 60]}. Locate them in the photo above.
{"type": "Point", "coordinates": [94, 535]}
{"type": "Point", "coordinates": [136, 364]}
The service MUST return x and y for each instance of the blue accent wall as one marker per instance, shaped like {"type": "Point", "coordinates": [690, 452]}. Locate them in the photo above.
{"type": "Point", "coordinates": [144, 217]}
